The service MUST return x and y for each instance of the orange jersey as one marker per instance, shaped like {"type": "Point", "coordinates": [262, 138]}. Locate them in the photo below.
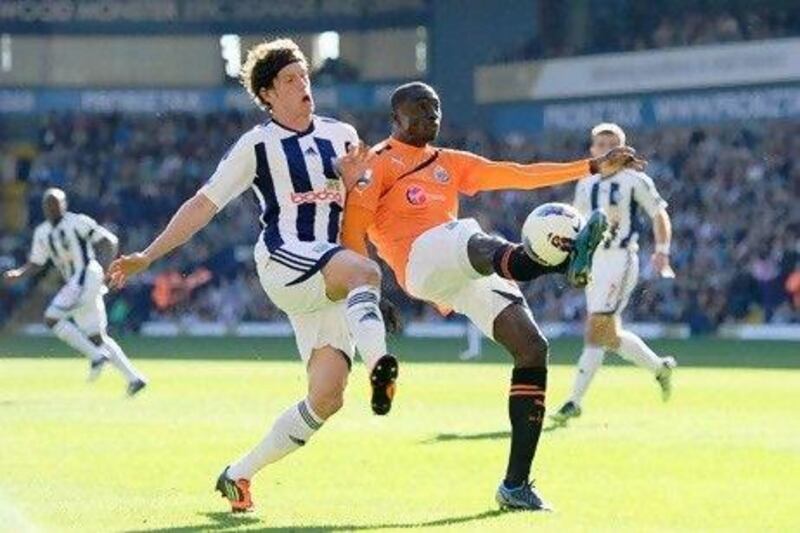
{"type": "Point", "coordinates": [411, 190]}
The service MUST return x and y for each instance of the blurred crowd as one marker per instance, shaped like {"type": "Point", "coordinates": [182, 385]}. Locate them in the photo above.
{"type": "Point", "coordinates": [733, 192]}
{"type": "Point", "coordinates": [628, 25]}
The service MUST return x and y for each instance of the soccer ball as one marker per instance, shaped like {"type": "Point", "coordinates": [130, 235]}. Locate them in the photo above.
{"type": "Point", "coordinates": [549, 232]}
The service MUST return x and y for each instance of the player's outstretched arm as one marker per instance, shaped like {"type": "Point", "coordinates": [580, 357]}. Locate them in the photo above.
{"type": "Point", "coordinates": [662, 233]}
{"type": "Point", "coordinates": [191, 217]}
{"type": "Point", "coordinates": [16, 275]}
{"type": "Point", "coordinates": [485, 175]}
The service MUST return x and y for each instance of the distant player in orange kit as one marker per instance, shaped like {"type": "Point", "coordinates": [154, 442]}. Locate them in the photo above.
{"type": "Point", "coordinates": [408, 207]}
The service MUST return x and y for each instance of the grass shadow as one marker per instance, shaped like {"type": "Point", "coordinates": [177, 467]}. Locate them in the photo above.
{"type": "Point", "coordinates": [447, 437]}
{"type": "Point", "coordinates": [220, 521]}
{"type": "Point", "coordinates": [229, 522]}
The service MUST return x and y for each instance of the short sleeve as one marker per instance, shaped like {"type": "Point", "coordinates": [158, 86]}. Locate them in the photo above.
{"type": "Point", "coordinates": [89, 229]}
{"type": "Point", "coordinates": [39, 253]}
{"type": "Point", "coordinates": [582, 202]}
{"type": "Point", "coordinates": [466, 167]}
{"type": "Point", "coordinates": [351, 136]}
{"type": "Point", "coordinates": [235, 173]}
{"type": "Point", "coordinates": [646, 194]}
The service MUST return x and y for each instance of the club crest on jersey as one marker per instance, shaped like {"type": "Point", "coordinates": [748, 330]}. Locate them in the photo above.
{"type": "Point", "coordinates": [440, 174]}
{"type": "Point", "coordinates": [416, 195]}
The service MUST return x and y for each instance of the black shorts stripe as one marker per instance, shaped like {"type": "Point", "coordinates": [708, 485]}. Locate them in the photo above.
{"type": "Point", "coordinates": [283, 262]}
{"type": "Point", "coordinates": [297, 257]}
{"type": "Point", "coordinates": [289, 261]}
{"type": "Point", "coordinates": [327, 256]}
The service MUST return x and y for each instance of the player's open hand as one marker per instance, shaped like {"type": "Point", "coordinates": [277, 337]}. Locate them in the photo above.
{"type": "Point", "coordinates": [11, 276]}
{"type": "Point", "coordinates": [661, 265]}
{"type": "Point", "coordinates": [352, 166]}
{"type": "Point", "coordinates": [616, 159]}
{"type": "Point", "coordinates": [122, 268]}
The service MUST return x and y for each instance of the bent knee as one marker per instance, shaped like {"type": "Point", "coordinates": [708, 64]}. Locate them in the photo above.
{"type": "Point", "coordinates": [327, 403]}
{"type": "Point", "coordinates": [365, 272]}
{"type": "Point", "coordinates": [602, 332]}
{"type": "Point", "coordinates": [535, 352]}
{"type": "Point", "coordinates": [522, 338]}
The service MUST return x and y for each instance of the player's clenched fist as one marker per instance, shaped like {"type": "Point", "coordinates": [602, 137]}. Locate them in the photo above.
{"type": "Point", "coordinates": [615, 160]}
{"type": "Point", "coordinates": [126, 266]}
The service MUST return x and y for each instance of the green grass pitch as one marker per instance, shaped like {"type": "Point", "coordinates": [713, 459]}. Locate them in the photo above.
{"type": "Point", "coordinates": [723, 455]}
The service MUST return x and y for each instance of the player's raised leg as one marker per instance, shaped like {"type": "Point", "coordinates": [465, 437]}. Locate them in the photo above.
{"type": "Point", "coordinates": [73, 337]}
{"type": "Point", "coordinates": [489, 254]}
{"type": "Point", "coordinates": [589, 363]}
{"type": "Point", "coordinates": [327, 369]}
{"type": "Point", "coordinates": [135, 379]}
{"type": "Point", "coordinates": [606, 331]}
{"type": "Point", "coordinates": [357, 279]}
{"type": "Point", "coordinates": [91, 318]}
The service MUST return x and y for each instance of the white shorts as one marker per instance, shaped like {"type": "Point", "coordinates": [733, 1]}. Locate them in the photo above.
{"type": "Point", "coordinates": [614, 276]}
{"type": "Point", "coordinates": [81, 299]}
{"type": "Point", "coordinates": [439, 271]}
{"type": "Point", "coordinates": [292, 278]}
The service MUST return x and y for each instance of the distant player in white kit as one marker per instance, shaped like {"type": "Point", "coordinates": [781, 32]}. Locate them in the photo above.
{"type": "Point", "coordinates": [616, 269]}
{"type": "Point", "coordinates": [294, 163]}
{"type": "Point", "coordinates": [78, 247]}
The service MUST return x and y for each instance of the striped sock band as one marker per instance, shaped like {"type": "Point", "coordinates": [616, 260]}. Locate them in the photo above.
{"type": "Point", "coordinates": [311, 419]}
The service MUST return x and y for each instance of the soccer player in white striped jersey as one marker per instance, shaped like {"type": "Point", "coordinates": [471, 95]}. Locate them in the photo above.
{"type": "Point", "coordinates": [615, 270]}
{"type": "Point", "coordinates": [78, 247]}
{"type": "Point", "coordinates": [295, 164]}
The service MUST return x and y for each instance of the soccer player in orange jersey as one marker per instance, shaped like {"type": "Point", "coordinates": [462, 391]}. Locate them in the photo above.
{"type": "Point", "coordinates": [408, 208]}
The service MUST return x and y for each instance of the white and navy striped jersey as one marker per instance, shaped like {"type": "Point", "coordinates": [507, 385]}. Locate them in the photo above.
{"type": "Point", "coordinates": [620, 196]}
{"type": "Point", "coordinates": [69, 244]}
{"type": "Point", "coordinates": [292, 176]}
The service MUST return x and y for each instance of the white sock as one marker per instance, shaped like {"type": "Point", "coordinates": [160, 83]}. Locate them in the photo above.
{"type": "Point", "coordinates": [75, 338]}
{"type": "Point", "coordinates": [633, 349]}
{"type": "Point", "coordinates": [291, 431]}
{"type": "Point", "coordinates": [473, 339]}
{"type": "Point", "coordinates": [590, 361]}
{"type": "Point", "coordinates": [120, 360]}
{"type": "Point", "coordinates": [365, 322]}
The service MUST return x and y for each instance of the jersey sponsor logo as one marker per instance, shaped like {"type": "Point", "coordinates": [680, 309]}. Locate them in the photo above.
{"type": "Point", "coordinates": [440, 174]}
{"type": "Point", "coordinates": [317, 197]}
{"type": "Point", "coordinates": [416, 195]}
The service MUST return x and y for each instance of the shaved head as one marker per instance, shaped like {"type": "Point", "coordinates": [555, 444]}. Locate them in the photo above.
{"type": "Point", "coordinates": [409, 92]}
{"type": "Point", "coordinates": [54, 204]}
{"type": "Point", "coordinates": [416, 113]}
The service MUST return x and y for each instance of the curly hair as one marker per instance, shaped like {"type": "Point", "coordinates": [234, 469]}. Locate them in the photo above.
{"type": "Point", "coordinates": [263, 63]}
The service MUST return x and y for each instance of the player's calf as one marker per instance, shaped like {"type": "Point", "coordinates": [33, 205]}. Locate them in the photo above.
{"type": "Point", "coordinates": [492, 255]}
{"type": "Point", "coordinates": [515, 329]}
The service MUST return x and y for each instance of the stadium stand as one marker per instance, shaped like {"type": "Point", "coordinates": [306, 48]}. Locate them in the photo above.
{"type": "Point", "coordinates": [736, 232]}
